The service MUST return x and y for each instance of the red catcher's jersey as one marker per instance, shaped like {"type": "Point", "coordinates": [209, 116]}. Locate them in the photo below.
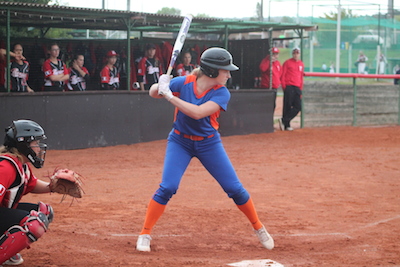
{"type": "Point", "coordinates": [16, 180]}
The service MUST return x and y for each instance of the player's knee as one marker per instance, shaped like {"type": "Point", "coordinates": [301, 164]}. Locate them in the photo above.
{"type": "Point", "coordinates": [164, 194]}
{"type": "Point", "coordinates": [240, 197]}
{"type": "Point", "coordinates": [19, 237]}
{"type": "Point", "coordinates": [47, 210]}
{"type": "Point", "coordinates": [35, 225]}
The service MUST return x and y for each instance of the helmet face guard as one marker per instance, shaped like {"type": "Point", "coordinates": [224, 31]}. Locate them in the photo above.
{"type": "Point", "coordinates": [20, 134]}
{"type": "Point", "coordinates": [215, 59]}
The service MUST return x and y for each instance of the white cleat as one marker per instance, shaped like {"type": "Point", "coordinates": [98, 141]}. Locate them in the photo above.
{"type": "Point", "coordinates": [265, 238]}
{"type": "Point", "coordinates": [143, 243]}
{"type": "Point", "coordinates": [14, 260]}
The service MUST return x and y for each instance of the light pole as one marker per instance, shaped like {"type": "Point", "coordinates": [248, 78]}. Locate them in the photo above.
{"type": "Point", "coordinates": [338, 26]}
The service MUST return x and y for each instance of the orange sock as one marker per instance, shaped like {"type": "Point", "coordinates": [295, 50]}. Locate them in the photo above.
{"type": "Point", "coordinates": [154, 212]}
{"type": "Point", "coordinates": [250, 211]}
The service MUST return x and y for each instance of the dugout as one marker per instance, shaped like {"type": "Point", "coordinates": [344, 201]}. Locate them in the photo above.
{"type": "Point", "coordinates": [204, 32]}
{"type": "Point", "coordinates": [96, 118]}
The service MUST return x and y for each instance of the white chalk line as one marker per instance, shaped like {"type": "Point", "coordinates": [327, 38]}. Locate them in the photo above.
{"type": "Point", "coordinates": [378, 222]}
{"type": "Point", "coordinates": [346, 235]}
{"type": "Point", "coordinates": [314, 234]}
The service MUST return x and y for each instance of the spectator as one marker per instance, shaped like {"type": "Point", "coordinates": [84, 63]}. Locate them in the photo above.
{"type": "Point", "coordinates": [361, 63]}
{"type": "Point", "coordinates": [276, 73]}
{"type": "Point", "coordinates": [55, 71]}
{"type": "Point", "coordinates": [109, 74]}
{"type": "Point", "coordinates": [19, 71]}
{"type": "Point", "coordinates": [186, 67]}
{"type": "Point", "coordinates": [332, 68]}
{"type": "Point", "coordinates": [79, 75]}
{"type": "Point", "coordinates": [276, 70]}
{"type": "Point", "coordinates": [382, 63]}
{"type": "Point", "coordinates": [396, 81]}
{"type": "Point", "coordinates": [149, 68]}
{"type": "Point", "coordinates": [3, 54]}
{"type": "Point", "coordinates": [292, 85]}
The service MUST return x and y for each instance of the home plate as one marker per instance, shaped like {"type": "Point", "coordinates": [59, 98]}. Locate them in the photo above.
{"type": "Point", "coordinates": [256, 263]}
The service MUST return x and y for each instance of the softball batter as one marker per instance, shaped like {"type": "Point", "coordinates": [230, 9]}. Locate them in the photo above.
{"type": "Point", "coordinates": [198, 99]}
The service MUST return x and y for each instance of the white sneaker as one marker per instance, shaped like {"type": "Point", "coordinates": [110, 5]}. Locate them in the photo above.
{"type": "Point", "coordinates": [14, 260]}
{"type": "Point", "coordinates": [289, 129]}
{"type": "Point", "coordinates": [143, 243]}
{"type": "Point", "coordinates": [265, 238]}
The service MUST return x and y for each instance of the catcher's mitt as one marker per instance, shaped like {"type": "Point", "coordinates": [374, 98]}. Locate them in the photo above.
{"type": "Point", "coordinates": [66, 182]}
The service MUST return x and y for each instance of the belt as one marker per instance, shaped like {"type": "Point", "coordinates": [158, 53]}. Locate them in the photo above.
{"type": "Point", "coordinates": [192, 137]}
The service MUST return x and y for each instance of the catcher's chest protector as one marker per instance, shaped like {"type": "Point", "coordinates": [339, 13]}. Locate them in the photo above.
{"type": "Point", "coordinates": [14, 194]}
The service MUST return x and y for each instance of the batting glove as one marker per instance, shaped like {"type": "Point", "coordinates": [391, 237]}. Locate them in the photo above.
{"type": "Point", "coordinates": [163, 87]}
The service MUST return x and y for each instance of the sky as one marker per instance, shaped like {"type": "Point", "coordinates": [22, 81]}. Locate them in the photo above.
{"type": "Point", "coordinates": [242, 8]}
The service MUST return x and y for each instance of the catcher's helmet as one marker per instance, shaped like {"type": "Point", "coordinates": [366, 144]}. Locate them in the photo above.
{"type": "Point", "coordinates": [20, 134]}
{"type": "Point", "coordinates": [214, 59]}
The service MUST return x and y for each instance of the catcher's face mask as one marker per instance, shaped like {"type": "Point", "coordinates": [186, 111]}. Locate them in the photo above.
{"type": "Point", "coordinates": [37, 153]}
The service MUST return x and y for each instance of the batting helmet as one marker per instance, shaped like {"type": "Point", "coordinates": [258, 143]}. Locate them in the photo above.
{"type": "Point", "coordinates": [214, 59]}
{"type": "Point", "coordinates": [20, 134]}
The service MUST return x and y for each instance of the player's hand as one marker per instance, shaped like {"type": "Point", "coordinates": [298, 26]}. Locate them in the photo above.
{"type": "Point", "coordinates": [163, 87]}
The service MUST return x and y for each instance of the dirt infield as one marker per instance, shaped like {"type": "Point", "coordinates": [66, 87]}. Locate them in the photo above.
{"type": "Point", "coordinates": [328, 196]}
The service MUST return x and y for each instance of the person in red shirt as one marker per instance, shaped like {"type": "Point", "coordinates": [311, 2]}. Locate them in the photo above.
{"type": "Point", "coordinates": [276, 70]}
{"type": "Point", "coordinates": [292, 85]}
{"type": "Point", "coordinates": [149, 68]}
{"type": "Point", "coordinates": [186, 67]}
{"type": "Point", "coordinates": [109, 74]}
{"type": "Point", "coordinates": [22, 146]}
{"type": "Point", "coordinates": [265, 69]}
{"type": "Point", "coordinates": [55, 71]}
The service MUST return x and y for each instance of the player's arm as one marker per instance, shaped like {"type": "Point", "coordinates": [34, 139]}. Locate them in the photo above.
{"type": "Point", "coordinates": [41, 187]}
{"type": "Point", "coordinates": [264, 65]}
{"type": "Point", "coordinates": [194, 111]}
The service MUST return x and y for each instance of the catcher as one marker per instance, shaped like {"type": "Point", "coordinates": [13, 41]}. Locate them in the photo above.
{"type": "Point", "coordinates": [21, 224]}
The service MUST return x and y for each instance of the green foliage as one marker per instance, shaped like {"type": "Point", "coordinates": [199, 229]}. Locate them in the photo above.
{"type": "Point", "coordinates": [286, 19]}
{"type": "Point", "coordinates": [202, 15]}
{"type": "Point", "coordinates": [169, 11]}
{"type": "Point", "coordinates": [344, 14]}
{"type": "Point", "coordinates": [44, 2]}
{"type": "Point", "coordinates": [259, 12]}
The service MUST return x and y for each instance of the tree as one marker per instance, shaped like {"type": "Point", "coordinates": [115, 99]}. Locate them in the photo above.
{"type": "Point", "coordinates": [344, 14]}
{"type": "Point", "coordinates": [169, 11]}
{"type": "Point", "coordinates": [202, 15]}
{"type": "Point", "coordinates": [44, 2]}
{"type": "Point", "coordinates": [19, 31]}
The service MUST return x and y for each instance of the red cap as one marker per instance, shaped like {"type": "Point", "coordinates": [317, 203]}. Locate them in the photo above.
{"type": "Point", "coordinates": [275, 50]}
{"type": "Point", "coordinates": [112, 53]}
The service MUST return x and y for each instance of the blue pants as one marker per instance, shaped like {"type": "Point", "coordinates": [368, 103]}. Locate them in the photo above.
{"type": "Point", "coordinates": [211, 154]}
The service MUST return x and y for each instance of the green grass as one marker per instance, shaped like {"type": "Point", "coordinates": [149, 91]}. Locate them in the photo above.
{"type": "Point", "coordinates": [326, 56]}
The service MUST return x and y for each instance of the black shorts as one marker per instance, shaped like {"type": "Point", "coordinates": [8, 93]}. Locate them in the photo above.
{"type": "Point", "coordinates": [10, 217]}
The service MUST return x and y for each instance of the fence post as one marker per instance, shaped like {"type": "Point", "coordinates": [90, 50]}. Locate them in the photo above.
{"type": "Point", "coordinates": [398, 100]}
{"type": "Point", "coordinates": [302, 109]}
{"type": "Point", "coordinates": [354, 102]}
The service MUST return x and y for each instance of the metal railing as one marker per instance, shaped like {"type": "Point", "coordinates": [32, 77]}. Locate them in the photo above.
{"type": "Point", "coordinates": [354, 76]}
